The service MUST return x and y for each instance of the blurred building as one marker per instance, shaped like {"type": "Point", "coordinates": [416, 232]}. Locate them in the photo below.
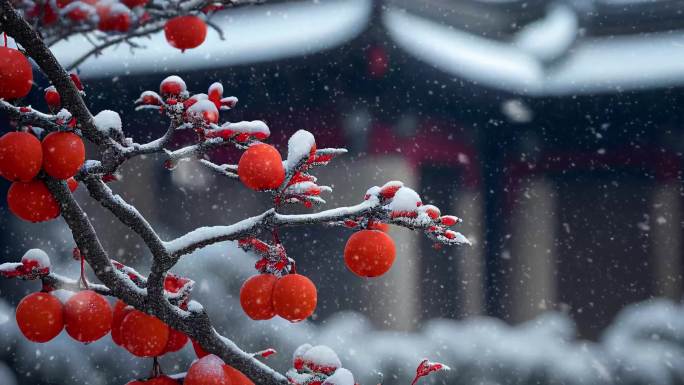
{"type": "Point", "coordinates": [553, 129]}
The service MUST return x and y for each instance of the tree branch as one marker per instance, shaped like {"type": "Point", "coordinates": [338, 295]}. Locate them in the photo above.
{"type": "Point", "coordinates": [27, 115]}
{"type": "Point", "coordinates": [205, 236]}
{"type": "Point", "coordinates": [158, 26]}
{"type": "Point", "coordinates": [195, 322]}
{"type": "Point", "coordinates": [14, 25]}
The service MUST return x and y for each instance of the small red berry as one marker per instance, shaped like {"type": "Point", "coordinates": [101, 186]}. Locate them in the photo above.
{"type": "Point", "coordinates": [172, 86]}
{"type": "Point", "coordinates": [114, 18]}
{"type": "Point", "coordinates": [87, 316]}
{"type": "Point", "coordinates": [261, 167]}
{"type": "Point", "coordinates": [144, 335]}
{"type": "Point", "coordinates": [63, 154]}
{"type": "Point", "coordinates": [32, 201]}
{"type": "Point", "coordinates": [21, 156]}
{"type": "Point", "coordinates": [208, 370]}
{"type": "Point", "coordinates": [256, 296]}
{"type": "Point", "coordinates": [185, 32]}
{"type": "Point", "coordinates": [236, 376]}
{"type": "Point", "coordinates": [369, 253]}
{"type": "Point", "coordinates": [120, 311]}
{"type": "Point", "coordinates": [176, 342]}
{"type": "Point", "coordinates": [16, 74]}
{"type": "Point", "coordinates": [39, 317]}
{"type": "Point", "coordinates": [52, 98]}
{"type": "Point", "coordinates": [294, 297]}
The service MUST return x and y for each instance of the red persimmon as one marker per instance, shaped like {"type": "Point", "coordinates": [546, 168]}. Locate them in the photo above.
{"type": "Point", "coordinates": [40, 317]}
{"type": "Point", "coordinates": [63, 154]}
{"type": "Point", "coordinates": [87, 316]}
{"type": "Point", "coordinates": [369, 253]}
{"type": "Point", "coordinates": [256, 296]}
{"type": "Point", "coordinates": [294, 297]}
{"type": "Point", "coordinates": [261, 167]}
{"type": "Point", "coordinates": [21, 156]}
{"type": "Point", "coordinates": [32, 201]}
{"type": "Point", "coordinates": [144, 335]}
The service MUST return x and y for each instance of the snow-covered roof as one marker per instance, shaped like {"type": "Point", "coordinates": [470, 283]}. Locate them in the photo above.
{"type": "Point", "coordinates": [591, 65]}
{"type": "Point", "coordinates": [545, 58]}
{"type": "Point", "coordinates": [253, 34]}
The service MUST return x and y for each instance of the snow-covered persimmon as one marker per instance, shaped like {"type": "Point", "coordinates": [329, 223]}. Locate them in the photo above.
{"type": "Point", "coordinates": [185, 32]}
{"type": "Point", "coordinates": [369, 253]}
{"type": "Point", "coordinates": [39, 317]}
{"type": "Point", "coordinates": [236, 376]}
{"type": "Point", "coordinates": [203, 110]}
{"type": "Point", "coordinates": [32, 201]}
{"type": "Point", "coordinates": [320, 359]}
{"type": "Point", "coordinates": [208, 370]}
{"type": "Point", "coordinates": [16, 74]}
{"type": "Point", "coordinates": [177, 340]}
{"type": "Point", "coordinates": [87, 316]}
{"type": "Point", "coordinates": [172, 86]}
{"type": "Point", "coordinates": [21, 156]}
{"type": "Point", "coordinates": [63, 154]}
{"type": "Point", "coordinates": [261, 167]}
{"type": "Point", "coordinates": [294, 297]}
{"type": "Point", "coordinates": [114, 17]}
{"type": "Point", "coordinates": [256, 296]}
{"type": "Point", "coordinates": [144, 335]}
{"type": "Point", "coordinates": [52, 98]}
{"type": "Point", "coordinates": [119, 311]}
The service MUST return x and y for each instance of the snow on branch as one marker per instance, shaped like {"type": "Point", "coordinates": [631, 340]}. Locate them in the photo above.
{"type": "Point", "coordinates": [164, 295]}
{"type": "Point", "coordinates": [229, 170]}
{"type": "Point", "coordinates": [29, 116]}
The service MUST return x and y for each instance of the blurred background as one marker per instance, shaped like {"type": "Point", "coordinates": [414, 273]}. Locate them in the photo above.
{"type": "Point", "coordinates": [554, 129]}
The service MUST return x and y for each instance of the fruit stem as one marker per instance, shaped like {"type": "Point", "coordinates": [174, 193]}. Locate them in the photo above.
{"type": "Point", "coordinates": [276, 236]}
{"type": "Point", "coordinates": [83, 277]}
{"type": "Point", "coordinates": [156, 368]}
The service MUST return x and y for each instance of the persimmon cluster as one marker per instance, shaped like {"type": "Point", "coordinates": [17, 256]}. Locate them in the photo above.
{"type": "Point", "coordinates": [118, 17]}
{"type": "Point", "coordinates": [369, 252]}
{"type": "Point", "coordinates": [87, 316]}
{"type": "Point", "coordinates": [200, 111]}
{"type": "Point", "coordinates": [31, 155]}
{"type": "Point", "coordinates": [27, 152]}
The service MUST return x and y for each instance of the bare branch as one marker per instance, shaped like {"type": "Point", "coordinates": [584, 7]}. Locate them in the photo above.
{"type": "Point", "coordinates": [229, 170]}
{"type": "Point", "coordinates": [127, 214]}
{"type": "Point", "coordinates": [147, 30]}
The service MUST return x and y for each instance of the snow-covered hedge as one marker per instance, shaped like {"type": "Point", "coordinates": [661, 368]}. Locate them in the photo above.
{"type": "Point", "coordinates": [644, 345]}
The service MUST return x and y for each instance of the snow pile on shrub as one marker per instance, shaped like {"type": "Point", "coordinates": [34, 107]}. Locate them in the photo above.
{"type": "Point", "coordinates": [644, 346]}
